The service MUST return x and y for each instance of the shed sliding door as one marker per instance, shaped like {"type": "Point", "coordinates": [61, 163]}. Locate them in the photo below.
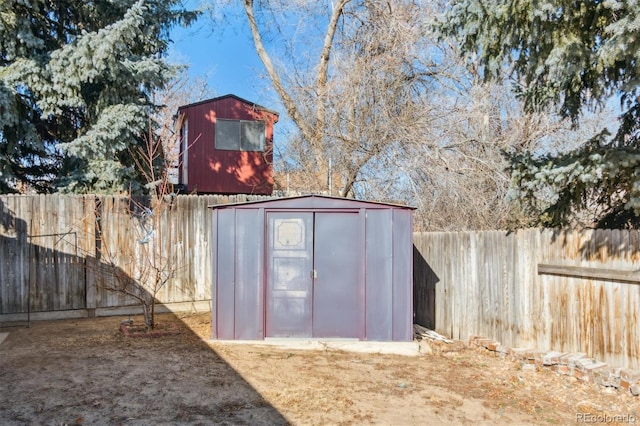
{"type": "Point", "coordinates": [313, 279]}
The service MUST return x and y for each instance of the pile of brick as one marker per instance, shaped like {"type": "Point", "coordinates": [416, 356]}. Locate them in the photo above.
{"type": "Point", "coordinates": [574, 364]}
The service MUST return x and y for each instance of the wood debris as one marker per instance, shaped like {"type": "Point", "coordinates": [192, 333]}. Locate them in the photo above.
{"type": "Point", "coordinates": [421, 332]}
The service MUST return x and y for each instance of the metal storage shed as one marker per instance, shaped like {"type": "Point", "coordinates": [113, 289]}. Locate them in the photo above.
{"type": "Point", "coordinates": [312, 267]}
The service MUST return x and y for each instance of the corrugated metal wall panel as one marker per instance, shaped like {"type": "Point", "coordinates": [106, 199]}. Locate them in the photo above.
{"type": "Point", "coordinates": [379, 275]}
{"type": "Point", "coordinates": [225, 274]}
{"type": "Point", "coordinates": [337, 259]}
{"type": "Point", "coordinates": [214, 273]}
{"type": "Point", "coordinates": [402, 276]}
{"type": "Point", "coordinates": [249, 272]}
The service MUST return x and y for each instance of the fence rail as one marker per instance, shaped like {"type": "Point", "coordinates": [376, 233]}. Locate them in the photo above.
{"type": "Point", "coordinates": [590, 273]}
{"type": "Point", "coordinates": [546, 289]}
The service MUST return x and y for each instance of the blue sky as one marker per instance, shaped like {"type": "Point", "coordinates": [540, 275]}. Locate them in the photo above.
{"type": "Point", "coordinates": [224, 56]}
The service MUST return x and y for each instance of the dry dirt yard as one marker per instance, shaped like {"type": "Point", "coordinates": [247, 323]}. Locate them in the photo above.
{"type": "Point", "coordinates": [86, 372]}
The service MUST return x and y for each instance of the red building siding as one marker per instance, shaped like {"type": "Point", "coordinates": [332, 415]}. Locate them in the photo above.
{"type": "Point", "coordinates": [210, 170]}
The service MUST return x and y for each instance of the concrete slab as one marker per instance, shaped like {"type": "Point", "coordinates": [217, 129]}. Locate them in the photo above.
{"type": "Point", "coordinates": [348, 345]}
{"type": "Point", "coordinates": [3, 336]}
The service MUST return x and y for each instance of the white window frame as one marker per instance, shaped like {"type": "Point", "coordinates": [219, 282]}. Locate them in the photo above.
{"type": "Point", "coordinates": [185, 152]}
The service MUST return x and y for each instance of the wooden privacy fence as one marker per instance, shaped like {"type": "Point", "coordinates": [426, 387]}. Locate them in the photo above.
{"type": "Point", "coordinates": [547, 289]}
{"type": "Point", "coordinates": [53, 259]}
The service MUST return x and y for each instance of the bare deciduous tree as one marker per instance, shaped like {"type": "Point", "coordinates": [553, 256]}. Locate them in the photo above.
{"type": "Point", "coordinates": [387, 110]}
{"type": "Point", "coordinates": [141, 263]}
{"type": "Point", "coordinates": [356, 96]}
{"type": "Point", "coordinates": [305, 102]}
{"type": "Point", "coordinates": [458, 172]}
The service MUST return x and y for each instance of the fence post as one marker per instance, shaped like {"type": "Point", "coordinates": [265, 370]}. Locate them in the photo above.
{"type": "Point", "coordinates": [91, 263]}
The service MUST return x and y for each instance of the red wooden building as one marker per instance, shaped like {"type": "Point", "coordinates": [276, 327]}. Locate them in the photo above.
{"type": "Point", "coordinates": [226, 147]}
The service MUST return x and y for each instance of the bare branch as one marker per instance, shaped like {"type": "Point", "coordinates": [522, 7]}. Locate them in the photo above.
{"type": "Point", "coordinates": [288, 102]}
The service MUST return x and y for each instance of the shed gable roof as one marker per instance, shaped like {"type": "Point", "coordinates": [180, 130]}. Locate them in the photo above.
{"type": "Point", "coordinates": [312, 201]}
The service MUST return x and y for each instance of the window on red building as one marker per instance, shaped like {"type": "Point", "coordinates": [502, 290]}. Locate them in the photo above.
{"type": "Point", "coordinates": [240, 135]}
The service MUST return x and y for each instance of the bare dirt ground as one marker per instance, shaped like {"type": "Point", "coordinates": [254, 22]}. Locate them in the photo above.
{"type": "Point", "coordinates": [86, 372]}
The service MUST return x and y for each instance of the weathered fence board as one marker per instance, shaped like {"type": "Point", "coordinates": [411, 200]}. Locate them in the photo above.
{"type": "Point", "coordinates": [53, 257]}
{"type": "Point", "coordinates": [490, 284]}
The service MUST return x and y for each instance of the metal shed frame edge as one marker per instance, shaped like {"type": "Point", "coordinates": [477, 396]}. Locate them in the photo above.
{"type": "Point", "coordinates": [357, 204]}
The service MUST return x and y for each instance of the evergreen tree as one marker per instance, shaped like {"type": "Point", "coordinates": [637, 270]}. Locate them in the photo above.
{"type": "Point", "coordinates": [75, 84]}
{"type": "Point", "coordinates": [574, 56]}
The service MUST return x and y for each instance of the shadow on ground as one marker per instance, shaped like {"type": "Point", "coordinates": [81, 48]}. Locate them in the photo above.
{"type": "Point", "coordinates": [84, 371]}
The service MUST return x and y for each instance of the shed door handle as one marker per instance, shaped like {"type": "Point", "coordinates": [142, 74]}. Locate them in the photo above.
{"type": "Point", "coordinates": [314, 274]}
